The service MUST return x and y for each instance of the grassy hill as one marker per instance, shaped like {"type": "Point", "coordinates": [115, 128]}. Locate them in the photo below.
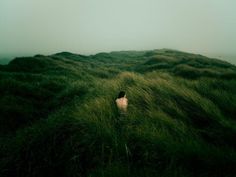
{"type": "Point", "coordinates": [58, 116]}
{"type": "Point", "coordinates": [4, 61]}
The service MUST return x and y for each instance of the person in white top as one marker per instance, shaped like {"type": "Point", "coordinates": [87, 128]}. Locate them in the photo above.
{"type": "Point", "coordinates": [122, 103]}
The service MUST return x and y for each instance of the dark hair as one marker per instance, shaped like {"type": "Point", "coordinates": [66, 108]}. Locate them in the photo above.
{"type": "Point", "coordinates": [121, 94]}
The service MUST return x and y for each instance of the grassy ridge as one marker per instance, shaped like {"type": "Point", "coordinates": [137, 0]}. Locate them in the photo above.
{"type": "Point", "coordinates": [59, 117]}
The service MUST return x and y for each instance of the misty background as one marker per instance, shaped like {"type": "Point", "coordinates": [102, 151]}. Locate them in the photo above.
{"type": "Point", "coordinates": [29, 27]}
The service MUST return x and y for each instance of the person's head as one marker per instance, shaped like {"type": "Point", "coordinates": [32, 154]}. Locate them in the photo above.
{"type": "Point", "coordinates": [121, 94]}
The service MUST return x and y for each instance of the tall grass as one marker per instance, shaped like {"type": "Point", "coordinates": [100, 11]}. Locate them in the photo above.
{"type": "Point", "coordinates": [62, 120]}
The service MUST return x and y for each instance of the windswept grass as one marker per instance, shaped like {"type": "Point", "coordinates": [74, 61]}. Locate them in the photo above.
{"type": "Point", "coordinates": [61, 119]}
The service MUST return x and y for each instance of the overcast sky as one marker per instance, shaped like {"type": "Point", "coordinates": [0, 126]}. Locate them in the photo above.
{"type": "Point", "coordinates": [29, 27]}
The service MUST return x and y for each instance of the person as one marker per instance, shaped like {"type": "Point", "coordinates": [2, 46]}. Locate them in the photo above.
{"type": "Point", "coordinates": [122, 103]}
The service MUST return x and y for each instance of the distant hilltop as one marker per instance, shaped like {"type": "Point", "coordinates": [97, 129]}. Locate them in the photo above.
{"type": "Point", "coordinates": [227, 58]}
{"type": "Point", "coordinates": [172, 61]}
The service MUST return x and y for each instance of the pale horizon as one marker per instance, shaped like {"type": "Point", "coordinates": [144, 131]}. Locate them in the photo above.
{"type": "Point", "coordinates": [88, 27]}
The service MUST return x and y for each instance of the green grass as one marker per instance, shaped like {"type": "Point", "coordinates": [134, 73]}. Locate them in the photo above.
{"type": "Point", "coordinates": [58, 115]}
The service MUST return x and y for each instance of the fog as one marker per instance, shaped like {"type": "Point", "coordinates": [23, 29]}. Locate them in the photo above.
{"type": "Point", "coordinates": [29, 27]}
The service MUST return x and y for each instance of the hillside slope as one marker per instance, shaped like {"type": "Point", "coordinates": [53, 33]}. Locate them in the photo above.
{"type": "Point", "coordinates": [58, 116]}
